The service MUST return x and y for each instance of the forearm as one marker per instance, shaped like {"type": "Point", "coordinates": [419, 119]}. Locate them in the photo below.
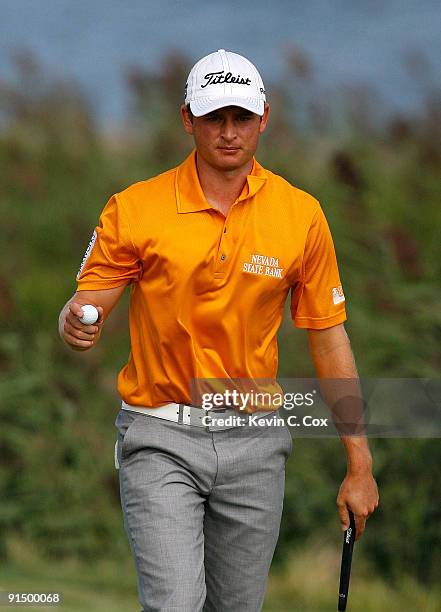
{"type": "Point", "coordinates": [335, 367]}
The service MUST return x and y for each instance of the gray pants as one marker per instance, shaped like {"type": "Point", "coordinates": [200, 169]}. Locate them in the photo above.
{"type": "Point", "coordinates": [201, 510]}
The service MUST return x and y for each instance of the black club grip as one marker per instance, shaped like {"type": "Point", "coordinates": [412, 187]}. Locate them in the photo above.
{"type": "Point", "coordinates": [346, 560]}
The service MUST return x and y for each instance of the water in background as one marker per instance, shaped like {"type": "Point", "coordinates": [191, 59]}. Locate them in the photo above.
{"type": "Point", "coordinates": [347, 41]}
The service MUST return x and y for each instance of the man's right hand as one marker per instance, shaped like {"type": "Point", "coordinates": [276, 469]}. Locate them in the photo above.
{"type": "Point", "coordinates": [75, 334]}
{"type": "Point", "coordinates": [78, 336]}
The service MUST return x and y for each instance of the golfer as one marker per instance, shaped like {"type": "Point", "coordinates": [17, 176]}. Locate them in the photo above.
{"type": "Point", "coordinates": [211, 249]}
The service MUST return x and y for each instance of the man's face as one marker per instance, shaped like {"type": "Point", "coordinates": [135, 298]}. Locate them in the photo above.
{"type": "Point", "coordinates": [226, 138]}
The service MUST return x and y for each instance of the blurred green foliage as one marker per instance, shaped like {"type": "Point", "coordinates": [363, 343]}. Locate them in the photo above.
{"type": "Point", "coordinates": [379, 184]}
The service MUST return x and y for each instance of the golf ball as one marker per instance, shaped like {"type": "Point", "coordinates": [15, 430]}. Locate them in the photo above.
{"type": "Point", "coordinates": [90, 314]}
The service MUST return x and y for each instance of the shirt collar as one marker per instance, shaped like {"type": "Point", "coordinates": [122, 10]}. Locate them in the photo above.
{"type": "Point", "coordinates": [189, 194]}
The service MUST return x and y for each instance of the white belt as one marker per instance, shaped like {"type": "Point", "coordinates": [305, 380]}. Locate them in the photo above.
{"type": "Point", "coordinates": [192, 415]}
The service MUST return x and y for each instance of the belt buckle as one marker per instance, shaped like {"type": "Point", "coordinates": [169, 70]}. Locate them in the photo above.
{"type": "Point", "coordinates": [214, 427]}
{"type": "Point", "coordinates": [191, 415]}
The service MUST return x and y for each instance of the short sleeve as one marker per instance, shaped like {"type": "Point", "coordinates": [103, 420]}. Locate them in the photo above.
{"type": "Point", "coordinates": [317, 300]}
{"type": "Point", "coordinates": [110, 259]}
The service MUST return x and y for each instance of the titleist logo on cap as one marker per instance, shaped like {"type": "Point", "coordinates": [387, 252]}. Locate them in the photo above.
{"type": "Point", "coordinates": [213, 78]}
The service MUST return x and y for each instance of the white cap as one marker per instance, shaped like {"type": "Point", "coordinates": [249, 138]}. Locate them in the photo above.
{"type": "Point", "coordinates": [224, 78]}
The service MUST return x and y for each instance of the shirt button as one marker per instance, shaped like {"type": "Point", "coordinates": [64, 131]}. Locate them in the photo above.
{"type": "Point", "coordinates": [223, 257]}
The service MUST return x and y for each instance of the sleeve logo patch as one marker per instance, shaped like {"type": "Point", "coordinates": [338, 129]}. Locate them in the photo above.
{"type": "Point", "coordinates": [87, 253]}
{"type": "Point", "coordinates": [337, 295]}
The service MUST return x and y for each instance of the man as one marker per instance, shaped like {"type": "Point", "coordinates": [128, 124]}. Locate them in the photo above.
{"type": "Point", "coordinates": [212, 249]}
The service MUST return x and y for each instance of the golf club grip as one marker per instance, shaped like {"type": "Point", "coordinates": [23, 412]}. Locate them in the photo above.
{"type": "Point", "coordinates": [346, 559]}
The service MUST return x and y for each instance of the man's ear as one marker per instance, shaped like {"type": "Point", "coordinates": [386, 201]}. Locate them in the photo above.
{"type": "Point", "coordinates": [264, 118]}
{"type": "Point", "coordinates": [187, 118]}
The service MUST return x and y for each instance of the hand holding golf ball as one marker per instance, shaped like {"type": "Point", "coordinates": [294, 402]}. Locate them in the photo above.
{"type": "Point", "coordinates": [90, 314]}
{"type": "Point", "coordinates": [81, 325]}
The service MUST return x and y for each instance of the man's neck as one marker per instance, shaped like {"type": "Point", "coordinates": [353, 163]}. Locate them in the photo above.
{"type": "Point", "coordinates": [222, 188]}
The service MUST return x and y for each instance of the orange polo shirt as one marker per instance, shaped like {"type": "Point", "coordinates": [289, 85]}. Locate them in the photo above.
{"type": "Point", "coordinates": [208, 291]}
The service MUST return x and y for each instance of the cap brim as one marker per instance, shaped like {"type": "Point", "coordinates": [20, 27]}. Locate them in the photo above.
{"type": "Point", "coordinates": [203, 106]}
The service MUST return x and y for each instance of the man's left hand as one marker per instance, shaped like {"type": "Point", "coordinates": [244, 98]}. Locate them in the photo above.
{"type": "Point", "coordinates": [359, 493]}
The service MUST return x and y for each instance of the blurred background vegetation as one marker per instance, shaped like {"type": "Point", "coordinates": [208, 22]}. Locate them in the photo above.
{"type": "Point", "coordinates": [379, 182]}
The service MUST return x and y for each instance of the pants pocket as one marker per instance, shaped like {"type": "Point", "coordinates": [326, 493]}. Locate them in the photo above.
{"type": "Point", "coordinates": [123, 424]}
